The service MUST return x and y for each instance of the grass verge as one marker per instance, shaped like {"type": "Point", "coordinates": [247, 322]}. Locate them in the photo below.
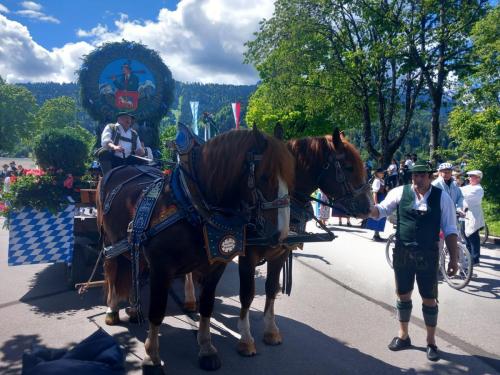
{"type": "Point", "coordinates": [492, 216]}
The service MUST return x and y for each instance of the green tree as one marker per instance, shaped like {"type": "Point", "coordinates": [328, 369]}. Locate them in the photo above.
{"type": "Point", "coordinates": [57, 113]}
{"type": "Point", "coordinates": [17, 108]}
{"type": "Point", "coordinates": [438, 31]}
{"type": "Point", "coordinates": [475, 122]}
{"type": "Point", "coordinates": [343, 62]}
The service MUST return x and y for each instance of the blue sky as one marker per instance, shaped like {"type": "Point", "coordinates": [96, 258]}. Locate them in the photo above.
{"type": "Point", "coordinates": [199, 40]}
{"type": "Point", "coordinates": [63, 18]}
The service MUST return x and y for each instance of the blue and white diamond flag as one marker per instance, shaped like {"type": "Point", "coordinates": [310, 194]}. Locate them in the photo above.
{"type": "Point", "coordinates": [40, 236]}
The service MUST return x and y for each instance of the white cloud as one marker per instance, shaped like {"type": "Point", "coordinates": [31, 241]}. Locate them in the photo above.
{"type": "Point", "coordinates": [37, 15]}
{"type": "Point", "coordinates": [95, 32]}
{"type": "Point", "coordinates": [3, 8]}
{"type": "Point", "coordinates": [31, 5]}
{"type": "Point", "coordinates": [34, 11]}
{"type": "Point", "coordinates": [23, 60]}
{"type": "Point", "coordinates": [200, 41]}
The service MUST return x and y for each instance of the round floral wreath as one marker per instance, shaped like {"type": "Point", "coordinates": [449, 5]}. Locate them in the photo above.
{"type": "Point", "coordinates": [95, 62]}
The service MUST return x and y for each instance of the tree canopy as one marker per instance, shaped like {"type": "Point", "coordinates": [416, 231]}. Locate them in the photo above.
{"type": "Point", "coordinates": [475, 122]}
{"type": "Point", "coordinates": [57, 113]}
{"type": "Point", "coordinates": [358, 63]}
{"type": "Point", "coordinates": [17, 108]}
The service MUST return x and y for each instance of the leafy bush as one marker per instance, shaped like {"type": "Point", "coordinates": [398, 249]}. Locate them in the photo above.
{"type": "Point", "coordinates": [63, 149]}
{"type": "Point", "coordinates": [38, 192]}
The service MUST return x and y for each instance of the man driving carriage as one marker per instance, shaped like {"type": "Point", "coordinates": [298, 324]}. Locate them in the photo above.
{"type": "Point", "coordinates": [422, 209]}
{"type": "Point", "coordinates": [119, 142]}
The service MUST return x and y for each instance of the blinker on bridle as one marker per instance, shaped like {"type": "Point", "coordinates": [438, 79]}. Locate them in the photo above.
{"type": "Point", "coordinates": [349, 193]}
{"type": "Point", "coordinates": [259, 202]}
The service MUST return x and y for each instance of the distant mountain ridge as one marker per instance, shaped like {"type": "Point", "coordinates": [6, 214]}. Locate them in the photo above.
{"type": "Point", "coordinates": [211, 97]}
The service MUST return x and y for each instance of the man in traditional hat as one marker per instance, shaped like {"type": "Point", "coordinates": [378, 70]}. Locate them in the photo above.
{"type": "Point", "coordinates": [446, 183]}
{"type": "Point", "coordinates": [119, 142]}
{"type": "Point", "coordinates": [422, 210]}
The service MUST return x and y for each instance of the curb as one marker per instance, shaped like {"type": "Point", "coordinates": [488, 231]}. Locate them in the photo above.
{"type": "Point", "coordinates": [493, 240]}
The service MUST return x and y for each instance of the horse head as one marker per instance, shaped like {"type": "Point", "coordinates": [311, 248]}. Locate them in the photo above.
{"type": "Point", "coordinates": [335, 166]}
{"type": "Point", "coordinates": [249, 171]}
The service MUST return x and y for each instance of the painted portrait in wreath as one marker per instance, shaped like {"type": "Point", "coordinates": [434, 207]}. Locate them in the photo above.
{"type": "Point", "coordinates": [126, 83]}
{"type": "Point", "coordinates": [125, 76]}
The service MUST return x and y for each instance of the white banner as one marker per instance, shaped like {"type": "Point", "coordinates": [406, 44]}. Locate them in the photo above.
{"type": "Point", "coordinates": [194, 112]}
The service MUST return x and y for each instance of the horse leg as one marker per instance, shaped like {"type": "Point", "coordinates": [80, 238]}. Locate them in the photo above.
{"type": "Point", "coordinates": [246, 345]}
{"type": "Point", "coordinates": [208, 358]}
{"type": "Point", "coordinates": [112, 300]}
{"type": "Point", "coordinates": [189, 294]}
{"type": "Point", "coordinates": [272, 334]}
{"type": "Point", "coordinates": [159, 285]}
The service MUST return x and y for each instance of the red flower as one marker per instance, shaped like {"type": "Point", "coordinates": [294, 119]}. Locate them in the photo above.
{"type": "Point", "coordinates": [34, 172]}
{"type": "Point", "coordinates": [167, 172]}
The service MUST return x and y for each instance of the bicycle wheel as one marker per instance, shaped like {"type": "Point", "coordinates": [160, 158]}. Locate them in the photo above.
{"type": "Point", "coordinates": [484, 233]}
{"type": "Point", "coordinates": [464, 273]}
{"type": "Point", "coordinates": [389, 248]}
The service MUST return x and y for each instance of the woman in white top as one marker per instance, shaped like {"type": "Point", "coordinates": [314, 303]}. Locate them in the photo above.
{"type": "Point", "coordinates": [474, 219]}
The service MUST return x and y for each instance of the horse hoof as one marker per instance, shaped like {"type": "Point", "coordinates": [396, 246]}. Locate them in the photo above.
{"type": "Point", "coordinates": [246, 349]}
{"type": "Point", "coordinates": [190, 307]}
{"type": "Point", "coordinates": [210, 362]}
{"type": "Point", "coordinates": [272, 338]}
{"type": "Point", "coordinates": [132, 315]}
{"type": "Point", "coordinates": [153, 370]}
{"type": "Point", "coordinates": [112, 318]}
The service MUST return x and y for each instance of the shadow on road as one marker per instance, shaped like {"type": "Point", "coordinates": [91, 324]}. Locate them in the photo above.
{"type": "Point", "coordinates": [299, 254]}
{"type": "Point", "coordinates": [484, 287]}
{"type": "Point", "coordinates": [50, 295]}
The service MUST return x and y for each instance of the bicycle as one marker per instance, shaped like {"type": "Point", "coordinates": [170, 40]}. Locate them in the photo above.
{"type": "Point", "coordinates": [484, 233]}
{"type": "Point", "coordinates": [464, 273]}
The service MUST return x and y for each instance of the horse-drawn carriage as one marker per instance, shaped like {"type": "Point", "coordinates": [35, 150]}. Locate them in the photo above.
{"type": "Point", "coordinates": [212, 208]}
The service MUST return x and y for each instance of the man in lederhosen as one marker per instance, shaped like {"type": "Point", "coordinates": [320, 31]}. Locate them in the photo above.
{"type": "Point", "coordinates": [119, 142]}
{"type": "Point", "coordinates": [422, 210]}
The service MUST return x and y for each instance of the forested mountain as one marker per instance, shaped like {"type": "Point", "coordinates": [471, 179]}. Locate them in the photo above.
{"type": "Point", "coordinates": [213, 98]}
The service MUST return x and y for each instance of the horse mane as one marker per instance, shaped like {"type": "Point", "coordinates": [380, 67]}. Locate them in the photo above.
{"type": "Point", "coordinates": [311, 151]}
{"type": "Point", "coordinates": [228, 152]}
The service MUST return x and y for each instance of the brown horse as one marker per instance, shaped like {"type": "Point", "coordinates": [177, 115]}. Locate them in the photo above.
{"type": "Point", "coordinates": [329, 163]}
{"type": "Point", "coordinates": [243, 168]}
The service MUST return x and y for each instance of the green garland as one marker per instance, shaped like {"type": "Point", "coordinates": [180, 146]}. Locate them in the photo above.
{"type": "Point", "coordinates": [96, 61]}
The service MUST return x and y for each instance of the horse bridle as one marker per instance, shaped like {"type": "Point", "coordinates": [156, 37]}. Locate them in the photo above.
{"type": "Point", "coordinates": [259, 202]}
{"type": "Point", "coordinates": [346, 201]}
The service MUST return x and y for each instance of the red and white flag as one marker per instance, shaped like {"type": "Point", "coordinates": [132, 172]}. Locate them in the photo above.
{"type": "Point", "coordinates": [236, 113]}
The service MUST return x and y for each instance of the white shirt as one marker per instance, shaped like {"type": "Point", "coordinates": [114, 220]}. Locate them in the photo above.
{"type": "Point", "coordinates": [392, 170]}
{"type": "Point", "coordinates": [452, 189]}
{"type": "Point", "coordinates": [409, 163]}
{"type": "Point", "coordinates": [377, 185]}
{"type": "Point", "coordinates": [474, 217]}
{"type": "Point", "coordinates": [448, 220]}
{"type": "Point", "coordinates": [127, 146]}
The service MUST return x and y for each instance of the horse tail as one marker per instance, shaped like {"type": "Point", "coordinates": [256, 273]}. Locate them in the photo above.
{"type": "Point", "coordinates": [118, 276]}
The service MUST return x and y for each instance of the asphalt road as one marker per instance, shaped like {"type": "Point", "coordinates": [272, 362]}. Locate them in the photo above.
{"type": "Point", "coordinates": [338, 320]}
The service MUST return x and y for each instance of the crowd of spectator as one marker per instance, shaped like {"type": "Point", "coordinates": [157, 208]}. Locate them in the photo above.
{"type": "Point", "coordinates": [8, 175]}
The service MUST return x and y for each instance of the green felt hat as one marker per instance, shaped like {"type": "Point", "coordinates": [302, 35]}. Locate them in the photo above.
{"type": "Point", "coordinates": [422, 168]}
